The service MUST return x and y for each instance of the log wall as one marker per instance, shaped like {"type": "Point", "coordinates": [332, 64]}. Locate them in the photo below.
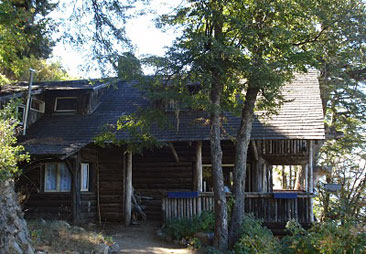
{"type": "Point", "coordinates": [111, 183]}
{"type": "Point", "coordinates": [39, 204]}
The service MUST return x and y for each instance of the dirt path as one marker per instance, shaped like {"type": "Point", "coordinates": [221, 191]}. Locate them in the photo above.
{"type": "Point", "coordinates": [142, 239]}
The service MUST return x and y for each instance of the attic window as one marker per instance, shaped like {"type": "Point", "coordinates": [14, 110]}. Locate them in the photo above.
{"type": "Point", "coordinates": [38, 105]}
{"type": "Point", "coordinates": [65, 104]}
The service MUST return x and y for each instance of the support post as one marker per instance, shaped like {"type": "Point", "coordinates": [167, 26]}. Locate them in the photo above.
{"type": "Point", "coordinates": [174, 152]}
{"type": "Point", "coordinates": [311, 168]}
{"type": "Point", "coordinates": [198, 168]}
{"type": "Point", "coordinates": [76, 196]}
{"type": "Point", "coordinates": [311, 179]}
{"type": "Point", "coordinates": [307, 189]}
{"type": "Point", "coordinates": [128, 184]}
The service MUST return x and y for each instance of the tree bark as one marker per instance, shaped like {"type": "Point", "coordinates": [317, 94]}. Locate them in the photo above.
{"type": "Point", "coordinates": [241, 152]}
{"type": "Point", "coordinates": [221, 227]}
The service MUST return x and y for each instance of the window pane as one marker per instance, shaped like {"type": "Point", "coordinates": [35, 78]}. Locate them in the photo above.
{"type": "Point", "coordinates": [65, 178]}
{"type": "Point", "coordinates": [51, 177]}
{"type": "Point", "coordinates": [66, 104]}
{"type": "Point", "coordinates": [84, 176]}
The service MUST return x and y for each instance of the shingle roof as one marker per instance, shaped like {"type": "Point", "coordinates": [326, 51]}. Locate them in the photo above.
{"type": "Point", "coordinates": [22, 87]}
{"type": "Point", "coordinates": [299, 118]}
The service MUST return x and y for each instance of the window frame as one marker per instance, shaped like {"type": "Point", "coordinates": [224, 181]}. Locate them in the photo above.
{"type": "Point", "coordinates": [21, 122]}
{"type": "Point", "coordinates": [42, 105]}
{"type": "Point", "coordinates": [65, 110]}
{"type": "Point", "coordinates": [82, 177]}
{"type": "Point", "coordinates": [58, 178]}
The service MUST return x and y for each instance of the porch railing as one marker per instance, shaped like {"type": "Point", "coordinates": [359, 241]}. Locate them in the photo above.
{"type": "Point", "coordinates": [263, 206]}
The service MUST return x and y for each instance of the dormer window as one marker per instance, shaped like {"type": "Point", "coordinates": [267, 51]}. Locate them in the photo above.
{"type": "Point", "coordinates": [37, 105]}
{"type": "Point", "coordinates": [65, 104]}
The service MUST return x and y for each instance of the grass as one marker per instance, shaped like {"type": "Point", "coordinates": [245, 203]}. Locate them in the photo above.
{"type": "Point", "coordinates": [60, 237]}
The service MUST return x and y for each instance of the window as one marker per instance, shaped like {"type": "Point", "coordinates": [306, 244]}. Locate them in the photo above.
{"type": "Point", "coordinates": [84, 177]}
{"type": "Point", "coordinates": [57, 177]}
{"type": "Point", "coordinates": [66, 104]}
{"type": "Point", "coordinates": [37, 105]}
{"type": "Point", "coordinates": [20, 114]}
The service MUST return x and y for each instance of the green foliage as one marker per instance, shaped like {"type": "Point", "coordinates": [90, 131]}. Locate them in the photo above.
{"type": "Point", "coordinates": [96, 29]}
{"type": "Point", "coordinates": [325, 238]}
{"type": "Point", "coordinates": [129, 67]}
{"type": "Point", "coordinates": [136, 128]}
{"type": "Point", "coordinates": [10, 153]}
{"type": "Point", "coordinates": [255, 238]}
{"type": "Point", "coordinates": [342, 64]}
{"type": "Point", "coordinates": [25, 32]}
{"type": "Point", "coordinates": [186, 228]}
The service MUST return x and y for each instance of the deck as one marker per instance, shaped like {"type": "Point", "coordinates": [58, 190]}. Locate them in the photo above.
{"type": "Point", "coordinates": [274, 209]}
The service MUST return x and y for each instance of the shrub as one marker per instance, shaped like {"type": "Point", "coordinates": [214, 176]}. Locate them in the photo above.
{"type": "Point", "coordinates": [186, 228]}
{"type": "Point", "coordinates": [324, 238]}
{"type": "Point", "coordinates": [255, 238]}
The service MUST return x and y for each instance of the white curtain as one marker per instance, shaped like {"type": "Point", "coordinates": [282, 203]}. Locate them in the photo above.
{"type": "Point", "coordinates": [65, 178]}
{"type": "Point", "coordinates": [51, 177]}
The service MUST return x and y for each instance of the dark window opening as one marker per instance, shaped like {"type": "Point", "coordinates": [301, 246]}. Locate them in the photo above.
{"type": "Point", "coordinates": [66, 104]}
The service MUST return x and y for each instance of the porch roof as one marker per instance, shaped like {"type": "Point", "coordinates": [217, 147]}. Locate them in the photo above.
{"type": "Point", "coordinates": [300, 117]}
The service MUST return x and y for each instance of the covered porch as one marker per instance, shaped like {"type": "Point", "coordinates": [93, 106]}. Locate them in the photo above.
{"type": "Point", "coordinates": [279, 185]}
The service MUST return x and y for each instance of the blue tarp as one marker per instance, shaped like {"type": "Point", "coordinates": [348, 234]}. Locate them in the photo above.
{"type": "Point", "coordinates": [285, 195]}
{"type": "Point", "coordinates": [183, 194]}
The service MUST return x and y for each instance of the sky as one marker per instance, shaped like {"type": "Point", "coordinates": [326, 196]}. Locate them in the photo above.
{"type": "Point", "coordinates": [146, 38]}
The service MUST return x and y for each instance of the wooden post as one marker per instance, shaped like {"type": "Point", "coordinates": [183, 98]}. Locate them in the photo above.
{"type": "Point", "coordinates": [307, 177]}
{"type": "Point", "coordinates": [128, 184]}
{"type": "Point", "coordinates": [75, 185]}
{"type": "Point", "coordinates": [311, 168]}
{"type": "Point", "coordinates": [311, 179]}
{"type": "Point", "coordinates": [198, 168]}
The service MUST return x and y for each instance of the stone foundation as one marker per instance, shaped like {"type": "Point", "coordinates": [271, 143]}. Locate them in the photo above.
{"type": "Point", "coordinates": [14, 235]}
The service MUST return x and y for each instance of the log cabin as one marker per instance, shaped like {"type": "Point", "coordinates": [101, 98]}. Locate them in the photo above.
{"type": "Point", "coordinates": [70, 177]}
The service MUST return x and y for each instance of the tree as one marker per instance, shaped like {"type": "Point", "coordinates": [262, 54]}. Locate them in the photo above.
{"type": "Point", "coordinates": [25, 31]}
{"type": "Point", "coordinates": [340, 59]}
{"type": "Point", "coordinates": [238, 51]}
{"type": "Point", "coordinates": [96, 29]}
{"type": "Point", "coordinates": [14, 237]}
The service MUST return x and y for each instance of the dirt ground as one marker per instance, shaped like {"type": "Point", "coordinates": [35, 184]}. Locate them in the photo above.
{"type": "Point", "coordinates": [142, 239]}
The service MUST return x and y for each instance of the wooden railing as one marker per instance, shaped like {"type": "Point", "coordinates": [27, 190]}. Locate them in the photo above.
{"type": "Point", "coordinates": [262, 205]}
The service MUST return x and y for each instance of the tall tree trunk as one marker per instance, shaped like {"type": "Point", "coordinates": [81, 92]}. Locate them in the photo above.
{"type": "Point", "coordinates": [241, 152]}
{"type": "Point", "coordinates": [221, 227]}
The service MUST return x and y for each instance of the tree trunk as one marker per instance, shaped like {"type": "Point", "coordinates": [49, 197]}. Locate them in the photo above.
{"type": "Point", "coordinates": [300, 176]}
{"type": "Point", "coordinates": [241, 152]}
{"type": "Point", "coordinates": [221, 227]}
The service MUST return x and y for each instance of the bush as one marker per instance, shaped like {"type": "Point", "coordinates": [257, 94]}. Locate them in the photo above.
{"type": "Point", "coordinates": [255, 238]}
{"type": "Point", "coordinates": [186, 228]}
{"type": "Point", "coordinates": [324, 238]}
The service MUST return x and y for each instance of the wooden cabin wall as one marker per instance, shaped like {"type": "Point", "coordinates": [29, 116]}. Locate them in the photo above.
{"type": "Point", "coordinates": [89, 211]}
{"type": "Point", "coordinates": [39, 204]}
{"type": "Point", "coordinates": [156, 172]}
{"type": "Point", "coordinates": [111, 183]}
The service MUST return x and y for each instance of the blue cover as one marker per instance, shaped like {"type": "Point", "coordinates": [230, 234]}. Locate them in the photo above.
{"type": "Point", "coordinates": [183, 194]}
{"type": "Point", "coordinates": [285, 195]}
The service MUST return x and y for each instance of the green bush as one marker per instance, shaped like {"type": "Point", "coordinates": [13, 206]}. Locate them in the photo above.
{"type": "Point", "coordinates": [255, 238]}
{"type": "Point", "coordinates": [324, 238]}
{"type": "Point", "coordinates": [186, 228]}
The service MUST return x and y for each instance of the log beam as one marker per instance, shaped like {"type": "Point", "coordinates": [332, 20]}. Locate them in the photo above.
{"type": "Point", "coordinates": [75, 189]}
{"type": "Point", "coordinates": [174, 152]}
{"type": "Point", "coordinates": [128, 184]}
{"type": "Point", "coordinates": [255, 150]}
